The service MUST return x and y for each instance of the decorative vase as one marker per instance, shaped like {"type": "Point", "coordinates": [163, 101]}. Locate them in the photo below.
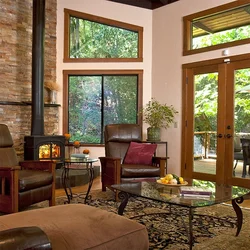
{"type": "Point", "coordinates": [77, 150]}
{"type": "Point", "coordinates": [53, 96]}
{"type": "Point", "coordinates": [153, 134]}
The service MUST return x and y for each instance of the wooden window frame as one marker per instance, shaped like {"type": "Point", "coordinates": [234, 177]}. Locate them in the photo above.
{"type": "Point", "coordinates": [69, 13]}
{"type": "Point", "coordinates": [187, 25]}
{"type": "Point", "coordinates": [67, 73]}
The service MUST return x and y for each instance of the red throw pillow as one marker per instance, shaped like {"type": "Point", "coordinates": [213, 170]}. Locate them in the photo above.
{"type": "Point", "coordinates": [140, 153]}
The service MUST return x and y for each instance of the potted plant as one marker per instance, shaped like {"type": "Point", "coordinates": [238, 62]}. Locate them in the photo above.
{"type": "Point", "coordinates": [158, 116]}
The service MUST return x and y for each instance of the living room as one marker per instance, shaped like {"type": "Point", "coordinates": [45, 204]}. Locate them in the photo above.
{"type": "Point", "coordinates": [161, 42]}
{"type": "Point", "coordinates": [161, 65]}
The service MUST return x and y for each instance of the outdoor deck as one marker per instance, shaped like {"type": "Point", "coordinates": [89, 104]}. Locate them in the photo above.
{"type": "Point", "coordinates": [208, 166]}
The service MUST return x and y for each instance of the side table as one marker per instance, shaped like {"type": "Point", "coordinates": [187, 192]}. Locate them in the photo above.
{"type": "Point", "coordinates": [77, 163]}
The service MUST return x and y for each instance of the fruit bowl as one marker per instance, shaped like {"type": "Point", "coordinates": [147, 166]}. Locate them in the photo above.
{"type": "Point", "coordinates": [173, 185]}
{"type": "Point", "coordinates": [172, 180]}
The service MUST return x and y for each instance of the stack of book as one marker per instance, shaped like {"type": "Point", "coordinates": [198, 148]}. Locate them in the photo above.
{"type": "Point", "coordinates": [188, 191]}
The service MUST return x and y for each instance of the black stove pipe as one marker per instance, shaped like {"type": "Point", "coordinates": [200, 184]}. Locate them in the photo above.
{"type": "Point", "coordinates": [37, 123]}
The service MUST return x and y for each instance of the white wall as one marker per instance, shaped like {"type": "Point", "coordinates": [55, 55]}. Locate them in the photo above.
{"type": "Point", "coordinates": [162, 55]}
{"type": "Point", "coordinates": [168, 60]}
{"type": "Point", "coordinates": [111, 10]}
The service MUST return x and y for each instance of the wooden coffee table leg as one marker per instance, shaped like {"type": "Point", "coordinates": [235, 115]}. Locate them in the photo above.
{"type": "Point", "coordinates": [238, 212]}
{"type": "Point", "coordinates": [124, 197]}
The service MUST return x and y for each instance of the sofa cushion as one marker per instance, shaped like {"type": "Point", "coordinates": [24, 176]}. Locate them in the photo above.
{"type": "Point", "coordinates": [139, 171]}
{"type": "Point", "coordinates": [140, 153]}
{"type": "Point", "coordinates": [79, 226]}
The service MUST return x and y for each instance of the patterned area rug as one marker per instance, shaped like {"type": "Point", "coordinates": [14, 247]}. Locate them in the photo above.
{"type": "Point", "coordinates": [213, 227]}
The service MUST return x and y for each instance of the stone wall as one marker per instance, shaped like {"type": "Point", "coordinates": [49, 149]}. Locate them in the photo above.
{"type": "Point", "coordinates": [15, 67]}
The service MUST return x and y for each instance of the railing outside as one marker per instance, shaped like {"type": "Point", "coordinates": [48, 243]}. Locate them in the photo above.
{"type": "Point", "coordinates": [205, 143]}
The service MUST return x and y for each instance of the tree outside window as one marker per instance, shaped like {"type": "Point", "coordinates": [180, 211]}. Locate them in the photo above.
{"type": "Point", "coordinates": [97, 100]}
{"type": "Point", "coordinates": [89, 38]}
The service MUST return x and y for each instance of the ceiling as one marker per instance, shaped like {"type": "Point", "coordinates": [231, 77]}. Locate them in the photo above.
{"type": "Point", "coordinates": [226, 20]}
{"type": "Point", "coordinates": [147, 4]}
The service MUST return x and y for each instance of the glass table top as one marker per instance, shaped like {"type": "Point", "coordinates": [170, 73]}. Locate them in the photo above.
{"type": "Point", "coordinates": [75, 163]}
{"type": "Point", "coordinates": [80, 160]}
{"type": "Point", "coordinates": [171, 194]}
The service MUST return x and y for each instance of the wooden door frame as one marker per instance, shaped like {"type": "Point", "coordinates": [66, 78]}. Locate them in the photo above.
{"type": "Point", "coordinates": [230, 80]}
{"type": "Point", "coordinates": [188, 71]}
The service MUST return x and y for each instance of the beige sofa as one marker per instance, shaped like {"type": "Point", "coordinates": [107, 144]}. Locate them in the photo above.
{"type": "Point", "coordinates": [79, 226]}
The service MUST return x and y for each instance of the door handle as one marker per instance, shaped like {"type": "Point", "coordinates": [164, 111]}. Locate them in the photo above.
{"type": "Point", "coordinates": [219, 135]}
{"type": "Point", "coordinates": [228, 136]}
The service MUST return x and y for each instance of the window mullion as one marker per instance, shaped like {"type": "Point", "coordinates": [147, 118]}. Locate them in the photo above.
{"type": "Point", "coordinates": [102, 110]}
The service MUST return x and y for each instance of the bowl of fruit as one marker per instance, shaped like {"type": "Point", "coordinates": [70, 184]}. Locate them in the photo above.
{"type": "Point", "coordinates": [172, 180]}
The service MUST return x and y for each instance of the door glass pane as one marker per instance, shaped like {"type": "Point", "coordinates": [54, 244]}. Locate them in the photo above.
{"type": "Point", "coordinates": [241, 119]}
{"type": "Point", "coordinates": [205, 122]}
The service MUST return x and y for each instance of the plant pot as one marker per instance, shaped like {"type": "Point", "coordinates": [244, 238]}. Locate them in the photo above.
{"type": "Point", "coordinates": [153, 134]}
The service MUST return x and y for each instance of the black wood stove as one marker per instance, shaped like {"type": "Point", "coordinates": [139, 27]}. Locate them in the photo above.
{"type": "Point", "coordinates": [37, 146]}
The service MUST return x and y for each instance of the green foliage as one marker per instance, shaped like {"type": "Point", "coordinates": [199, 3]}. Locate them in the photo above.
{"type": "Point", "coordinates": [95, 40]}
{"type": "Point", "coordinates": [236, 191]}
{"type": "Point", "coordinates": [201, 183]}
{"type": "Point", "coordinates": [206, 94]}
{"type": "Point", "coordinates": [97, 100]}
{"type": "Point", "coordinates": [158, 115]}
{"type": "Point", "coordinates": [221, 37]}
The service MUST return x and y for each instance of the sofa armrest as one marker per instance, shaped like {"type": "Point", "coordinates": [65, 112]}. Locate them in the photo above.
{"type": "Point", "coordinates": [104, 158]}
{"type": "Point", "coordinates": [39, 165]}
{"type": "Point", "coordinates": [158, 158]}
{"type": "Point", "coordinates": [10, 168]}
{"type": "Point", "coordinates": [24, 238]}
{"type": "Point", "coordinates": [9, 183]}
{"type": "Point", "coordinates": [161, 163]}
{"type": "Point", "coordinates": [110, 163]}
{"type": "Point", "coordinates": [110, 170]}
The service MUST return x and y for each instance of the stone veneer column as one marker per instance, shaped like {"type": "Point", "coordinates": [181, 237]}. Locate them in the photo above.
{"type": "Point", "coordinates": [15, 66]}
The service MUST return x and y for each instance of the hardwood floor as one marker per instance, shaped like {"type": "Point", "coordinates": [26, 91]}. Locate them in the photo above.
{"type": "Point", "coordinates": [97, 185]}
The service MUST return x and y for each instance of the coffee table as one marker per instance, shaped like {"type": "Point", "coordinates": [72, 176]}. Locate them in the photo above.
{"type": "Point", "coordinates": [77, 163]}
{"type": "Point", "coordinates": [171, 194]}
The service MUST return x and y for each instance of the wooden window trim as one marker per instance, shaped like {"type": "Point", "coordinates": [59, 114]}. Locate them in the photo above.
{"type": "Point", "coordinates": [67, 73]}
{"type": "Point", "coordinates": [68, 13]}
{"type": "Point", "coordinates": [187, 23]}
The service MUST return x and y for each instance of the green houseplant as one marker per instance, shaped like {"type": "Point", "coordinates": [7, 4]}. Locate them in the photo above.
{"type": "Point", "coordinates": [157, 116]}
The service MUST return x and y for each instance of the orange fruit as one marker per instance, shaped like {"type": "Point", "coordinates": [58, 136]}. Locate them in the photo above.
{"type": "Point", "coordinates": [85, 151]}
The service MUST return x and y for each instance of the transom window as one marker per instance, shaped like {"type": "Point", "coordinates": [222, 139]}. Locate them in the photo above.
{"type": "Point", "coordinates": [93, 38]}
{"type": "Point", "coordinates": [93, 99]}
{"type": "Point", "coordinates": [220, 27]}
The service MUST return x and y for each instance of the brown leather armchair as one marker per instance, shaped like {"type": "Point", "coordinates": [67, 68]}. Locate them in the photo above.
{"type": "Point", "coordinates": [117, 140]}
{"type": "Point", "coordinates": [23, 183]}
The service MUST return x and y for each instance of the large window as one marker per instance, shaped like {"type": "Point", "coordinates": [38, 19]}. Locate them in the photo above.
{"type": "Point", "coordinates": [92, 38]}
{"type": "Point", "coordinates": [93, 99]}
{"type": "Point", "coordinates": [220, 27]}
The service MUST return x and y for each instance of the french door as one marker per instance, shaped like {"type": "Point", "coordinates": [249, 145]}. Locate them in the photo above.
{"type": "Point", "coordinates": [216, 115]}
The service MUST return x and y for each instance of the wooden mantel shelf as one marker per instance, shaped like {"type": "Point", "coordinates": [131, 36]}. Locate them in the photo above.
{"type": "Point", "coordinates": [27, 104]}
